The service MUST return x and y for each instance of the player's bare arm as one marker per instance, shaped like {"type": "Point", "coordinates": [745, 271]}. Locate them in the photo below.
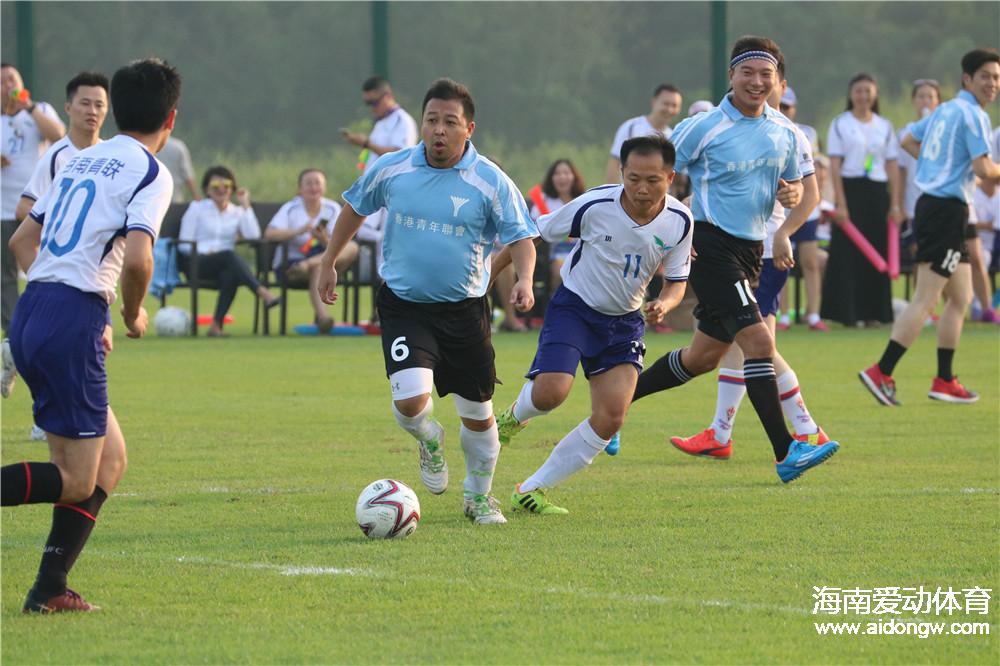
{"type": "Point", "coordinates": [24, 205]}
{"type": "Point", "coordinates": [985, 168]}
{"type": "Point", "coordinates": [137, 271]}
{"type": "Point", "coordinates": [523, 254]}
{"type": "Point", "coordinates": [910, 145]}
{"type": "Point", "coordinates": [24, 243]}
{"type": "Point", "coordinates": [347, 224]}
{"type": "Point", "coordinates": [781, 246]}
{"type": "Point", "coordinates": [669, 297]}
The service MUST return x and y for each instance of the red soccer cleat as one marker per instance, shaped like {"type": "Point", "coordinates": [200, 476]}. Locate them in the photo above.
{"type": "Point", "coordinates": [704, 444]}
{"type": "Point", "coordinates": [881, 386]}
{"type": "Point", "coordinates": [67, 602]}
{"type": "Point", "coordinates": [819, 326]}
{"type": "Point", "coordinates": [952, 391]}
{"type": "Point", "coordinates": [818, 438]}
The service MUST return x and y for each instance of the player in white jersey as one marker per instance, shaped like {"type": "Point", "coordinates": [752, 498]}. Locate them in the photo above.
{"type": "Point", "coordinates": [715, 441]}
{"type": "Point", "coordinates": [87, 107]}
{"type": "Point", "coordinates": [623, 233]}
{"type": "Point", "coordinates": [97, 222]}
{"type": "Point", "coordinates": [666, 104]}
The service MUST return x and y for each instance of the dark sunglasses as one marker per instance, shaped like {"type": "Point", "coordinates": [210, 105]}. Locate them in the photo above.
{"type": "Point", "coordinates": [373, 102]}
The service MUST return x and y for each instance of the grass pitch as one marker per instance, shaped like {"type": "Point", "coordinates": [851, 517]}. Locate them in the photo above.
{"type": "Point", "coordinates": [232, 537]}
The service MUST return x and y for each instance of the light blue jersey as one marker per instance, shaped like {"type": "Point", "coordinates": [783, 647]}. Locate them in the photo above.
{"type": "Point", "coordinates": [950, 138]}
{"type": "Point", "coordinates": [441, 223]}
{"type": "Point", "coordinates": [734, 163]}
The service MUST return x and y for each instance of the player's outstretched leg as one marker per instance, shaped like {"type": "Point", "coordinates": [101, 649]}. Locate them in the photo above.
{"type": "Point", "coordinates": [538, 397]}
{"type": "Point", "coordinates": [430, 439]}
{"type": "Point", "coordinates": [715, 442]}
{"type": "Point", "coordinates": [481, 445]}
{"type": "Point", "coordinates": [945, 385]}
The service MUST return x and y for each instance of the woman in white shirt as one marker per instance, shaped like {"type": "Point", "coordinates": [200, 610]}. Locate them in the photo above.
{"type": "Point", "coordinates": [216, 224]}
{"type": "Point", "coordinates": [303, 226]}
{"type": "Point", "coordinates": [863, 152]}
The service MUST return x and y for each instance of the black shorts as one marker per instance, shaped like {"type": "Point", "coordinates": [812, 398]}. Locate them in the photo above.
{"type": "Point", "coordinates": [452, 339]}
{"type": "Point", "coordinates": [724, 276]}
{"type": "Point", "coordinates": [939, 226]}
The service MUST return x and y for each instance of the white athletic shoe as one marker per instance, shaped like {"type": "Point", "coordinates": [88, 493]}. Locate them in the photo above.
{"type": "Point", "coordinates": [433, 468]}
{"type": "Point", "coordinates": [9, 371]}
{"type": "Point", "coordinates": [483, 510]}
{"type": "Point", "coordinates": [37, 434]}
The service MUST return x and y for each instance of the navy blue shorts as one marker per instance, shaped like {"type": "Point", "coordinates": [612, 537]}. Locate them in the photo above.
{"type": "Point", "coordinates": [772, 281]}
{"type": "Point", "coordinates": [574, 333]}
{"type": "Point", "coordinates": [55, 338]}
{"type": "Point", "coordinates": [806, 233]}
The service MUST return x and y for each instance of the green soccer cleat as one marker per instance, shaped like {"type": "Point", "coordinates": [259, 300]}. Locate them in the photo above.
{"type": "Point", "coordinates": [534, 501]}
{"type": "Point", "coordinates": [508, 426]}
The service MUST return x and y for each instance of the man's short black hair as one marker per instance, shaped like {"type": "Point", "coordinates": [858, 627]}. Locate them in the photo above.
{"type": "Point", "coordinates": [650, 145]}
{"type": "Point", "coordinates": [143, 93]}
{"type": "Point", "coordinates": [665, 87]}
{"type": "Point", "coordinates": [6, 64]}
{"type": "Point", "coordinates": [95, 79]}
{"type": "Point", "coordinates": [976, 58]}
{"type": "Point", "coordinates": [374, 83]}
{"type": "Point", "coordinates": [447, 89]}
{"type": "Point", "coordinates": [755, 43]}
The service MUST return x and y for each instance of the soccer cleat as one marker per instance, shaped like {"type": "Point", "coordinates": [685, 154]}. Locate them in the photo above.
{"type": "Point", "coordinates": [9, 371]}
{"type": "Point", "coordinates": [433, 468]}
{"type": "Point", "coordinates": [508, 426]}
{"type": "Point", "coordinates": [37, 434]}
{"type": "Point", "coordinates": [704, 444]}
{"type": "Point", "coordinates": [483, 510]}
{"type": "Point", "coordinates": [782, 326]}
{"type": "Point", "coordinates": [534, 501]}
{"type": "Point", "coordinates": [820, 326]}
{"type": "Point", "coordinates": [817, 438]}
{"type": "Point", "coordinates": [614, 445]}
{"type": "Point", "coordinates": [952, 391]}
{"type": "Point", "coordinates": [881, 386]}
{"type": "Point", "coordinates": [67, 602]}
{"type": "Point", "coordinates": [803, 456]}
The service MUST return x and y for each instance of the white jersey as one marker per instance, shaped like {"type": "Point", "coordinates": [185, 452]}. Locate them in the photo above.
{"type": "Point", "coordinates": [779, 214]}
{"type": "Point", "coordinates": [293, 215]}
{"type": "Point", "coordinates": [54, 159]}
{"type": "Point", "coordinates": [101, 194]}
{"type": "Point", "coordinates": [23, 144]}
{"type": "Point", "coordinates": [631, 128]}
{"type": "Point", "coordinates": [397, 129]}
{"type": "Point", "coordinates": [614, 258]}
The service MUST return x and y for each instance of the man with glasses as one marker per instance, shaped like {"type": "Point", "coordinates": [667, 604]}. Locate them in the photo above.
{"type": "Point", "coordinates": [394, 129]}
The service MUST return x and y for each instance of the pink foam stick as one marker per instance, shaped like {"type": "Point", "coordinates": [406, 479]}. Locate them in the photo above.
{"type": "Point", "coordinates": [893, 251]}
{"type": "Point", "coordinates": [864, 246]}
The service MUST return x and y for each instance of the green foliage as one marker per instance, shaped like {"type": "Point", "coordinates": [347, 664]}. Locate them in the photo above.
{"type": "Point", "coordinates": [232, 539]}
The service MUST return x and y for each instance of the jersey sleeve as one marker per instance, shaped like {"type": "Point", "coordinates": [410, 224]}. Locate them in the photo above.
{"type": "Point", "coordinates": [555, 227]}
{"type": "Point", "coordinates": [892, 149]}
{"type": "Point", "coordinates": [280, 219]}
{"type": "Point", "coordinates": [189, 228]}
{"type": "Point", "coordinates": [249, 226]}
{"type": "Point", "coordinates": [977, 135]}
{"type": "Point", "coordinates": [677, 261]}
{"type": "Point", "coordinates": [368, 193]}
{"type": "Point", "coordinates": [685, 143]}
{"type": "Point", "coordinates": [37, 212]}
{"type": "Point", "coordinates": [834, 142]}
{"type": "Point", "coordinates": [805, 154]}
{"type": "Point", "coordinates": [511, 213]}
{"type": "Point", "coordinates": [918, 129]}
{"type": "Point", "coordinates": [41, 179]}
{"type": "Point", "coordinates": [145, 210]}
{"type": "Point", "coordinates": [793, 163]}
{"type": "Point", "coordinates": [621, 135]}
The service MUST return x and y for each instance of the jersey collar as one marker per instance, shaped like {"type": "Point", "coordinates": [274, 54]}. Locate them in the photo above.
{"type": "Point", "coordinates": [735, 114]}
{"type": "Point", "coordinates": [966, 96]}
{"type": "Point", "coordinates": [468, 159]}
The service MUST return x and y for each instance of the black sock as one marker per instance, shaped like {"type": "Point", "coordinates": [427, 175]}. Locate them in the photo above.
{"type": "Point", "coordinates": [944, 363]}
{"type": "Point", "coordinates": [666, 373]}
{"type": "Point", "coordinates": [71, 527]}
{"type": "Point", "coordinates": [762, 388]}
{"type": "Point", "coordinates": [893, 352]}
{"type": "Point", "coordinates": [30, 483]}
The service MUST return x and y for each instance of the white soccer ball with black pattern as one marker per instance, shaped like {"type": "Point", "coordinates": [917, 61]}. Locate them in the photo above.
{"type": "Point", "coordinates": [388, 509]}
{"type": "Point", "coordinates": [171, 322]}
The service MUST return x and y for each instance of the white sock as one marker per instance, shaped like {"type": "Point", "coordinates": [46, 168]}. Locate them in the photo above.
{"type": "Point", "coordinates": [575, 452]}
{"type": "Point", "coordinates": [813, 318]}
{"type": "Point", "coordinates": [785, 319]}
{"type": "Point", "coordinates": [421, 426]}
{"type": "Point", "coordinates": [524, 408]}
{"type": "Point", "coordinates": [481, 451]}
{"type": "Point", "coordinates": [731, 392]}
{"type": "Point", "coordinates": [794, 406]}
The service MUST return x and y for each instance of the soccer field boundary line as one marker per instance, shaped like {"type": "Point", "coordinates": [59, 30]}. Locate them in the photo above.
{"type": "Point", "coordinates": [282, 569]}
{"type": "Point", "coordinates": [657, 599]}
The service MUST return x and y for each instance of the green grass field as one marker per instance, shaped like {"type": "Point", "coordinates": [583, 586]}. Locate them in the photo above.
{"type": "Point", "coordinates": [232, 537]}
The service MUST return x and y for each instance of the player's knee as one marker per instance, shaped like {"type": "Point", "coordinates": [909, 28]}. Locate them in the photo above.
{"type": "Point", "coordinates": [410, 407]}
{"type": "Point", "coordinates": [700, 362]}
{"type": "Point", "coordinates": [607, 423]}
{"type": "Point", "coordinates": [76, 488]}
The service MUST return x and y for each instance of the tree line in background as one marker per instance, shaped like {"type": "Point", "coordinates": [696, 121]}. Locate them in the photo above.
{"type": "Point", "coordinates": [264, 79]}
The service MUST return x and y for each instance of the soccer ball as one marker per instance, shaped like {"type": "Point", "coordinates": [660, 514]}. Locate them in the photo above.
{"type": "Point", "coordinates": [171, 322]}
{"type": "Point", "coordinates": [388, 509]}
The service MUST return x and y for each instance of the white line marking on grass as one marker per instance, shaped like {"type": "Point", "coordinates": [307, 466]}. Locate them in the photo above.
{"type": "Point", "coordinates": [970, 491]}
{"type": "Point", "coordinates": [659, 599]}
{"type": "Point", "coordinates": [283, 569]}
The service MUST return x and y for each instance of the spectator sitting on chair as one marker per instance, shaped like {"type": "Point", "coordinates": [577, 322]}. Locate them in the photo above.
{"type": "Point", "coordinates": [305, 223]}
{"type": "Point", "coordinates": [216, 224]}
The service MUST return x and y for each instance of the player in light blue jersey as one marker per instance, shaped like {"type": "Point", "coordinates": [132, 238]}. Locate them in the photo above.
{"type": "Point", "coordinates": [445, 206]}
{"type": "Point", "coordinates": [741, 156]}
{"type": "Point", "coordinates": [952, 146]}
{"type": "Point", "coordinates": [97, 222]}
